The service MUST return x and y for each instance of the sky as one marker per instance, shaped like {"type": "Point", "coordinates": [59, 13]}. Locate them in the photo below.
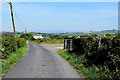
{"type": "Point", "coordinates": [57, 17]}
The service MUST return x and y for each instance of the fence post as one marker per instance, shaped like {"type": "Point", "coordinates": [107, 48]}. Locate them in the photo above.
{"type": "Point", "coordinates": [99, 42]}
{"type": "Point", "coordinates": [64, 43]}
{"type": "Point", "coordinates": [71, 44]}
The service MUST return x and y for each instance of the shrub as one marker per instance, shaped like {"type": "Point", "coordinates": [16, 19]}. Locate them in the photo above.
{"type": "Point", "coordinates": [27, 36]}
{"type": "Point", "coordinates": [118, 35]}
{"type": "Point", "coordinates": [95, 35]}
{"type": "Point", "coordinates": [108, 34]}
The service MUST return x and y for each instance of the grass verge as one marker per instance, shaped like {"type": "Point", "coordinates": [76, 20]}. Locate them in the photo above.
{"type": "Point", "coordinates": [13, 58]}
{"type": "Point", "coordinates": [49, 42]}
{"type": "Point", "coordinates": [35, 42]}
{"type": "Point", "coordinates": [76, 62]}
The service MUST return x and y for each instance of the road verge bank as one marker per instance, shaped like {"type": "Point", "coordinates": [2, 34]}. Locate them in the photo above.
{"type": "Point", "coordinates": [77, 63]}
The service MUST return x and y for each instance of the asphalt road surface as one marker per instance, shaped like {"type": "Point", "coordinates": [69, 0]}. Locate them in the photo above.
{"type": "Point", "coordinates": [42, 61]}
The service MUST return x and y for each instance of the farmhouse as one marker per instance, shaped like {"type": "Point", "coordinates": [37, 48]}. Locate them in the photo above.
{"type": "Point", "coordinates": [37, 36]}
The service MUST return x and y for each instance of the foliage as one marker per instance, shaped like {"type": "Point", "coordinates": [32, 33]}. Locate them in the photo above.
{"type": "Point", "coordinates": [56, 37]}
{"type": "Point", "coordinates": [11, 44]}
{"type": "Point", "coordinates": [95, 35]}
{"type": "Point", "coordinates": [27, 36]}
{"type": "Point", "coordinates": [108, 34]}
{"type": "Point", "coordinates": [77, 63]}
{"type": "Point", "coordinates": [101, 52]}
{"type": "Point", "coordinates": [118, 35]}
{"type": "Point", "coordinates": [12, 59]}
{"type": "Point", "coordinates": [5, 33]}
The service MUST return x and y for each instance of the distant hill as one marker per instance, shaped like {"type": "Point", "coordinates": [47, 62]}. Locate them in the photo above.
{"type": "Point", "coordinates": [104, 32]}
{"type": "Point", "coordinates": [65, 34]}
{"type": "Point", "coordinates": [89, 33]}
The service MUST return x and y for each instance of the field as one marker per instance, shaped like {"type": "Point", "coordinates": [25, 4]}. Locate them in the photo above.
{"type": "Point", "coordinates": [50, 41]}
{"type": "Point", "coordinates": [112, 32]}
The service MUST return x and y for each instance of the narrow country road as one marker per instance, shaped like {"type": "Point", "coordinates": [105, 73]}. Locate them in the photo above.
{"type": "Point", "coordinates": [41, 61]}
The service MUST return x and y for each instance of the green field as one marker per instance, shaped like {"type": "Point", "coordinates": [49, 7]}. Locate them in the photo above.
{"type": "Point", "coordinates": [49, 42]}
{"type": "Point", "coordinates": [112, 32]}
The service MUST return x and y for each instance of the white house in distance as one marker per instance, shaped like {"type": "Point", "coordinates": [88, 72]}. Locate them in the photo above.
{"type": "Point", "coordinates": [37, 36]}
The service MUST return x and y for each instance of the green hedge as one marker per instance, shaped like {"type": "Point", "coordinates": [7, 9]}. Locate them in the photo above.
{"type": "Point", "coordinates": [11, 44]}
{"type": "Point", "coordinates": [102, 52]}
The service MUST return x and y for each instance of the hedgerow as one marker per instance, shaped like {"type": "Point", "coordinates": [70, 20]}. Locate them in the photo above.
{"type": "Point", "coordinates": [101, 52]}
{"type": "Point", "coordinates": [11, 44]}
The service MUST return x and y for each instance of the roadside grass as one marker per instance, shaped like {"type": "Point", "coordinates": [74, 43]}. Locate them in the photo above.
{"type": "Point", "coordinates": [13, 59]}
{"type": "Point", "coordinates": [49, 42]}
{"type": "Point", "coordinates": [77, 63]}
{"type": "Point", "coordinates": [35, 42]}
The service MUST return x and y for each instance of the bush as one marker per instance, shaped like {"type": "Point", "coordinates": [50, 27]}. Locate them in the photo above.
{"type": "Point", "coordinates": [28, 36]}
{"type": "Point", "coordinates": [95, 35]}
{"type": "Point", "coordinates": [118, 35]}
{"type": "Point", "coordinates": [108, 34]}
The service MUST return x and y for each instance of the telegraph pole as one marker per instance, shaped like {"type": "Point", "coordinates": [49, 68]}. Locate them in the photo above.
{"type": "Point", "coordinates": [12, 19]}
{"type": "Point", "coordinates": [25, 33]}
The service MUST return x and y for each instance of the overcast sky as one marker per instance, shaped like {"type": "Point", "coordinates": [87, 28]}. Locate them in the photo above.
{"type": "Point", "coordinates": [61, 16]}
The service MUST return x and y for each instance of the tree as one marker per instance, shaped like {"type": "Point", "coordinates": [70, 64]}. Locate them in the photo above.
{"type": "Point", "coordinates": [28, 36]}
{"type": "Point", "coordinates": [118, 35]}
{"type": "Point", "coordinates": [108, 34]}
{"type": "Point", "coordinates": [95, 35]}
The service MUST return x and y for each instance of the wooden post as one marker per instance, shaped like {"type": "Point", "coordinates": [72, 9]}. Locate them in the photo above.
{"type": "Point", "coordinates": [12, 19]}
{"type": "Point", "coordinates": [25, 33]}
{"type": "Point", "coordinates": [13, 23]}
{"type": "Point", "coordinates": [64, 43]}
{"type": "Point", "coordinates": [71, 45]}
{"type": "Point", "coordinates": [99, 42]}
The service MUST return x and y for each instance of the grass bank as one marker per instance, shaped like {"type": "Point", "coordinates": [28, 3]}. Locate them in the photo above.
{"type": "Point", "coordinates": [77, 63]}
{"type": "Point", "coordinates": [13, 59]}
